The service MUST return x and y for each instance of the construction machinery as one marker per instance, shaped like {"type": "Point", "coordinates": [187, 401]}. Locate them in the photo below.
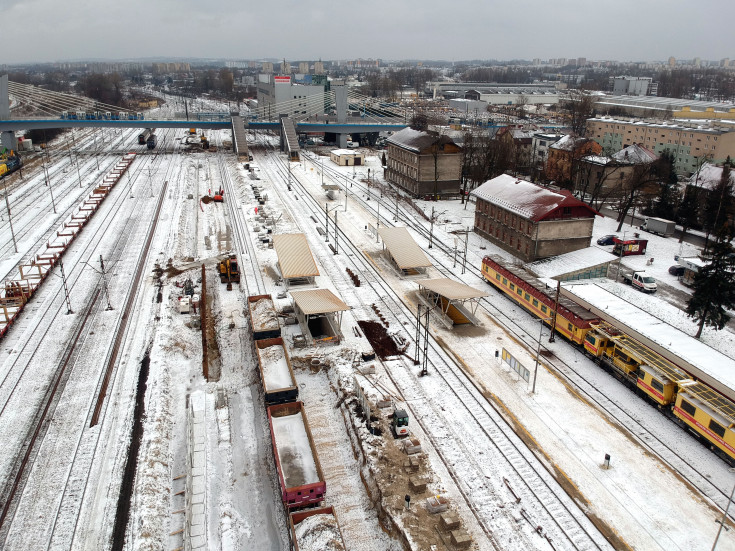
{"type": "Point", "coordinates": [399, 423]}
{"type": "Point", "coordinates": [229, 271]}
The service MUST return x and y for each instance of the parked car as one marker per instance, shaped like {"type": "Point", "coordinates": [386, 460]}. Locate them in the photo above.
{"type": "Point", "coordinates": [606, 239]}
{"type": "Point", "coordinates": [676, 270]}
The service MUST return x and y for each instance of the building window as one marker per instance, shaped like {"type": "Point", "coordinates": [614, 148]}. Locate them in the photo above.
{"type": "Point", "coordinates": [535, 303]}
{"type": "Point", "coordinates": [519, 291]}
{"type": "Point", "coordinates": [512, 287]}
{"type": "Point", "coordinates": [527, 297]}
{"type": "Point", "coordinates": [544, 309]}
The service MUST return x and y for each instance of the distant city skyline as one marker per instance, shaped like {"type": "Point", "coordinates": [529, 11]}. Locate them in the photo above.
{"type": "Point", "coordinates": [626, 31]}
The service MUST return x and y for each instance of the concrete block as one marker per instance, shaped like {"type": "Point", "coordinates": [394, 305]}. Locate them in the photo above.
{"type": "Point", "coordinates": [197, 530]}
{"type": "Point", "coordinates": [449, 521]}
{"type": "Point", "coordinates": [197, 509]}
{"type": "Point", "coordinates": [199, 486]}
{"type": "Point", "coordinates": [412, 445]}
{"type": "Point", "coordinates": [461, 539]}
{"type": "Point", "coordinates": [199, 459]}
{"type": "Point", "coordinates": [197, 498]}
{"type": "Point", "coordinates": [417, 485]}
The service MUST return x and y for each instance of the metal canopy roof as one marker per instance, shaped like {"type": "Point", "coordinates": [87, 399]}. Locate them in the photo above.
{"type": "Point", "coordinates": [450, 289]}
{"type": "Point", "coordinates": [294, 256]}
{"type": "Point", "coordinates": [318, 301]}
{"type": "Point", "coordinates": [404, 250]}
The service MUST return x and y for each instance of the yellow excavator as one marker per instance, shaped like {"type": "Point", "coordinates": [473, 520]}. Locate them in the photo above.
{"type": "Point", "coordinates": [229, 271]}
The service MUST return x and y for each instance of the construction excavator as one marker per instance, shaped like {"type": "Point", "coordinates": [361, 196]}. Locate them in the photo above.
{"type": "Point", "coordinates": [229, 271]}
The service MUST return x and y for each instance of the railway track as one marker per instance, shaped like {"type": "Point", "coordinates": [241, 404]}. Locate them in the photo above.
{"type": "Point", "coordinates": [32, 194]}
{"type": "Point", "coordinates": [456, 446]}
{"type": "Point", "coordinates": [655, 439]}
{"type": "Point", "coordinates": [73, 476]}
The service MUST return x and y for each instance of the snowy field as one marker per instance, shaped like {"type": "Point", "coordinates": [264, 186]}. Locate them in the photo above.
{"type": "Point", "coordinates": [69, 497]}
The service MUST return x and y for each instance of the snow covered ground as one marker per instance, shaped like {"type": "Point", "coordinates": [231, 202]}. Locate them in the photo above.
{"type": "Point", "coordinates": [639, 502]}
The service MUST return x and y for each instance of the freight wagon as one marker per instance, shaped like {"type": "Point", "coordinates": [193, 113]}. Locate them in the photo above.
{"type": "Point", "coordinates": [316, 530]}
{"type": "Point", "coordinates": [299, 472]}
{"type": "Point", "coordinates": [263, 317]}
{"type": "Point", "coordinates": [276, 373]}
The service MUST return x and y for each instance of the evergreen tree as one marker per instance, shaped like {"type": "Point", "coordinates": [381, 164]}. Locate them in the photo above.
{"type": "Point", "coordinates": [669, 198]}
{"type": "Point", "coordinates": [384, 161]}
{"type": "Point", "coordinates": [719, 204]}
{"type": "Point", "coordinates": [688, 213]}
{"type": "Point", "coordinates": [714, 287]}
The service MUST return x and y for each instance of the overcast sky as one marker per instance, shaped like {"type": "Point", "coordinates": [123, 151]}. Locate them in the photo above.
{"type": "Point", "coordinates": [625, 30]}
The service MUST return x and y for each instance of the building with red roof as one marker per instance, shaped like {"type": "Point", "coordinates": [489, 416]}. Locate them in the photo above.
{"type": "Point", "coordinates": [530, 221]}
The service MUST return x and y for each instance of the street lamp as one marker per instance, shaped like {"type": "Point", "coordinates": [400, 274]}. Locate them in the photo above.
{"type": "Point", "coordinates": [538, 351]}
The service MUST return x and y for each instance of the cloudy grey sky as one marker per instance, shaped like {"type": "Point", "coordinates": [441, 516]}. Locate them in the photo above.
{"type": "Point", "coordinates": [53, 30]}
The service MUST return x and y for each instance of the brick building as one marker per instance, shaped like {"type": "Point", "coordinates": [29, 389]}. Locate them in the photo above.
{"type": "Point", "coordinates": [564, 156]}
{"type": "Point", "coordinates": [529, 221]}
{"type": "Point", "coordinates": [424, 163]}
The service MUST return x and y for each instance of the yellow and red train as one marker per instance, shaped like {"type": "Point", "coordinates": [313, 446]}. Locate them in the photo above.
{"type": "Point", "coordinates": [709, 414]}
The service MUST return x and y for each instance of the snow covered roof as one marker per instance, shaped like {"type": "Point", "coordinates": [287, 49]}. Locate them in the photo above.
{"type": "Point", "coordinates": [402, 247]}
{"type": "Point", "coordinates": [597, 160]}
{"type": "Point", "coordinates": [709, 176]}
{"type": "Point", "coordinates": [417, 140]}
{"type": "Point", "coordinates": [570, 262]}
{"type": "Point", "coordinates": [635, 154]}
{"type": "Point", "coordinates": [567, 143]}
{"type": "Point", "coordinates": [450, 289]}
{"type": "Point", "coordinates": [318, 301]}
{"type": "Point", "coordinates": [294, 255]}
{"type": "Point", "coordinates": [692, 355]}
{"type": "Point", "coordinates": [341, 152]}
{"type": "Point", "coordinates": [525, 198]}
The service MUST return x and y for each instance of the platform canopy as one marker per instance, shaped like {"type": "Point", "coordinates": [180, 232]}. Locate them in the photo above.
{"type": "Point", "coordinates": [403, 249]}
{"type": "Point", "coordinates": [450, 289]}
{"type": "Point", "coordinates": [294, 256]}
{"type": "Point", "coordinates": [318, 301]}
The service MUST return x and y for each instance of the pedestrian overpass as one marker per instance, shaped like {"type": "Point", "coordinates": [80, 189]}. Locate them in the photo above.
{"type": "Point", "coordinates": [351, 113]}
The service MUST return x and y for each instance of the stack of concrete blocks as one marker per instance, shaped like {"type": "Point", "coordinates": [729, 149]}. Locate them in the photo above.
{"type": "Point", "coordinates": [196, 474]}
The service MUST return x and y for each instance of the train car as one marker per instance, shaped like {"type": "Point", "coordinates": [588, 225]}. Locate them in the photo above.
{"type": "Point", "coordinates": [143, 136]}
{"type": "Point", "coordinates": [263, 317]}
{"type": "Point", "coordinates": [151, 142]}
{"type": "Point", "coordinates": [572, 321]}
{"type": "Point", "coordinates": [9, 163]}
{"type": "Point", "coordinates": [709, 416]}
{"type": "Point", "coordinates": [276, 373]}
{"type": "Point", "coordinates": [299, 472]}
{"type": "Point", "coordinates": [707, 413]}
{"type": "Point", "coordinates": [313, 529]}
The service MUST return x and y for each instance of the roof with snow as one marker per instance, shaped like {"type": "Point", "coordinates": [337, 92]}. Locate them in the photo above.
{"type": "Point", "coordinates": [568, 143]}
{"type": "Point", "coordinates": [318, 301]}
{"type": "Point", "coordinates": [635, 154]}
{"type": "Point", "coordinates": [692, 355]}
{"type": "Point", "coordinates": [294, 256]}
{"type": "Point", "coordinates": [574, 261]}
{"type": "Point", "coordinates": [417, 140]}
{"type": "Point", "coordinates": [342, 152]}
{"type": "Point", "coordinates": [525, 198]}
{"type": "Point", "coordinates": [450, 289]}
{"type": "Point", "coordinates": [709, 176]}
{"type": "Point", "coordinates": [403, 249]}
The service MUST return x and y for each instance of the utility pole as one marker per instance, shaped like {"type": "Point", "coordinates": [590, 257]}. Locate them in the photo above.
{"type": "Point", "coordinates": [724, 517]}
{"type": "Point", "coordinates": [336, 229]}
{"type": "Point", "coordinates": [104, 283]}
{"type": "Point", "coordinates": [48, 183]}
{"type": "Point", "coordinates": [377, 235]}
{"type": "Point", "coordinates": [431, 231]}
{"type": "Point", "coordinates": [10, 219]}
{"type": "Point", "coordinates": [66, 288]}
{"type": "Point", "coordinates": [466, 239]}
{"type": "Point", "coordinates": [326, 229]}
